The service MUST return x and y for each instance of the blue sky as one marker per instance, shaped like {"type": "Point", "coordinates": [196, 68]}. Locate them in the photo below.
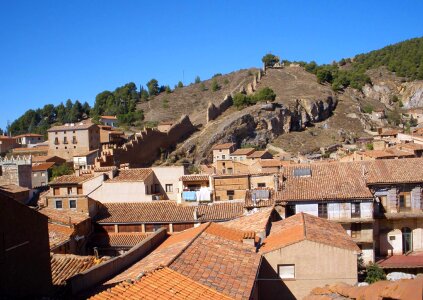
{"type": "Point", "coordinates": [54, 50]}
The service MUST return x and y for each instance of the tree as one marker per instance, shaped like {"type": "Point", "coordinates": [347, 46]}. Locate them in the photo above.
{"type": "Point", "coordinates": [241, 100]}
{"type": "Point", "coordinates": [374, 273]}
{"type": "Point", "coordinates": [214, 85]}
{"type": "Point", "coordinates": [168, 90]}
{"type": "Point", "coordinates": [63, 169]}
{"type": "Point", "coordinates": [153, 87]}
{"type": "Point", "coordinates": [197, 79]}
{"type": "Point", "coordinates": [180, 84]}
{"type": "Point", "coordinates": [270, 60]}
{"type": "Point", "coordinates": [324, 75]}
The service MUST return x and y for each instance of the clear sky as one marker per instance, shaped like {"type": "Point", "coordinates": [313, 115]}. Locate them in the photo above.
{"type": "Point", "coordinates": [54, 50]}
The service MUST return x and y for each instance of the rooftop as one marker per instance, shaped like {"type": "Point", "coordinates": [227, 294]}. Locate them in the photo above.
{"type": "Point", "coordinates": [28, 135]}
{"type": "Point", "coordinates": [413, 260]}
{"type": "Point", "coordinates": [257, 154]}
{"type": "Point", "coordinates": [12, 189]}
{"type": "Point", "coordinates": [256, 222]}
{"type": "Point", "coordinates": [63, 216]}
{"type": "Point", "coordinates": [243, 151]}
{"type": "Point", "coordinates": [71, 179]}
{"type": "Point", "coordinates": [42, 166]}
{"type": "Point", "coordinates": [58, 234]}
{"type": "Point", "coordinates": [195, 177]}
{"type": "Point", "coordinates": [109, 117]}
{"type": "Point", "coordinates": [302, 227]}
{"type": "Point", "coordinates": [223, 146]}
{"type": "Point", "coordinates": [73, 126]}
{"type": "Point", "coordinates": [395, 171]}
{"type": "Point", "coordinates": [129, 175]}
{"type": "Point", "coordinates": [167, 211]}
{"type": "Point", "coordinates": [118, 239]}
{"type": "Point", "coordinates": [163, 283]}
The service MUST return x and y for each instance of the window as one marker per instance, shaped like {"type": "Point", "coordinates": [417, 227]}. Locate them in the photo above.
{"type": "Point", "coordinates": [69, 190]}
{"type": "Point", "coordinates": [289, 210]}
{"type": "Point", "coordinates": [355, 230]}
{"type": "Point", "coordinates": [74, 141]}
{"type": "Point", "coordinates": [35, 174]}
{"type": "Point", "coordinates": [59, 204]}
{"type": "Point", "coordinates": [169, 188]}
{"type": "Point", "coordinates": [404, 200]}
{"type": "Point", "coordinates": [223, 156]}
{"type": "Point", "coordinates": [355, 210]}
{"type": "Point", "coordinates": [323, 210]}
{"type": "Point", "coordinates": [261, 184]}
{"type": "Point", "coordinates": [56, 140]}
{"type": "Point", "coordinates": [65, 140]}
{"type": "Point", "coordinates": [230, 194]}
{"type": "Point", "coordinates": [43, 174]}
{"type": "Point", "coordinates": [72, 204]}
{"type": "Point", "coordinates": [56, 191]}
{"type": "Point", "coordinates": [286, 271]}
{"type": "Point", "coordinates": [230, 171]}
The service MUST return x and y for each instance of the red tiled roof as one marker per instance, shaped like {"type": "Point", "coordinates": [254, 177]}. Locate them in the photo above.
{"type": "Point", "coordinates": [413, 260]}
{"type": "Point", "coordinates": [109, 117]}
{"type": "Point", "coordinates": [230, 233]}
{"type": "Point", "coordinates": [223, 146]}
{"type": "Point", "coordinates": [163, 283]}
{"type": "Point", "coordinates": [379, 154]}
{"type": "Point", "coordinates": [28, 135]}
{"type": "Point", "coordinates": [13, 188]}
{"type": "Point", "coordinates": [167, 212]}
{"type": "Point", "coordinates": [328, 181]}
{"type": "Point", "coordinates": [118, 239]}
{"type": "Point", "coordinates": [307, 227]}
{"type": "Point", "coordinates": [71, 179]}
{"type": "Point", "coordinates": [243, 151]}
{"type": "Point", "coordinates": [65, 266]}
{"type": "Point", "coordinates": [42, 166]}
{"type": "Point", "coordinates": [58, 235]}
{"type": "Point", "coordinates": [257, 154]}
{"type": "Point", "coordinates": [77, 126]}
{"type": "Point", "coordinates": [126, 175]}
{"type": "Point", "coordinates": [388, 132]}
{"type": "Point", "coordinates": [195, 177]}
{"type": "Point", "coordinates": [269, 163]}
{"type": "Point", "coordinates": [256, 221]}
{"type": "Point", "coordinates": [65, 217]}
{"type": "Point", "coordinates": [406, 170]}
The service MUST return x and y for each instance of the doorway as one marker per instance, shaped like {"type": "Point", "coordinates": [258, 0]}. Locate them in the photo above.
{"type": "Point", "coordinates": [407, 240]}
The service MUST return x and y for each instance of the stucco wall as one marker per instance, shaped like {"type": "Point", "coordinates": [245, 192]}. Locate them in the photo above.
{"type": "Point", "coordinates": [169, 175]}
{"type": "Point", "coordinates": [315, 265]}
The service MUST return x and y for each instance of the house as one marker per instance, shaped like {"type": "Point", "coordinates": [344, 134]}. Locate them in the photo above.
{"type": "Point", "coordinates": [260, 155]}
{"type": "Point", "coordinates": [73, 139]}
{"type": "Point", "coordinates": [151, 216]}
{"type": "Point", "coordinates": [333, 191]}
{"type": "Point", "coordinates": [195, 188]}
{"type": "Point", "coordinates": [71, 192]}
{"type": "Point", "coordinates": [302, 252]}
{"type": "Point", "coordinates": [167, 178]}
{"type": "Point", "coordinates": [222, 151]}
{"type": "Point", "coordinates": [7, 144]}
{"type": "Point", "coordinates": [29, 139]}
{"type": "Point", "coordinates": [111, 136]}
{"type": "Point", "coordinates": [116, 243]}
{"type": "Point", "coordinates": [109, 121]}
{"type": "Point", "coordinates": [16, 170]}
{"type": "Point", "coordinates": [24, 231]}
{"type": "Point", "coordinates": [165, 126]}
{"type": "Point", "coordinates": [241, 154]}
{"type": "Point", "coordinates": [84, 160]}
{"type": "Point", "coordinates": [41, 173]}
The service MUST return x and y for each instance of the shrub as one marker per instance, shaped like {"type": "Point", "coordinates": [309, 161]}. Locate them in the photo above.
{"type": "Point", "coordinates": [374, 273]}
{"type": "Point", "coordinates": [369, 146]}
{"type": "Point", "coordinates": [324, 75]}
{"type": "Point", "coordinates": [264, 94]}
{"type": "Point", "coordinates": [180, 84]}
{"type": "Point", "coordinates": [217, 75]}
{"type": "Point", "coordinates": [368, 109]}
{"type": "Point", "coordinates": [214, 85]}
{"type": "Point", "coordinates": [63, 169]}
{"type": "Point", "coordinates": [241, 100]}
{"type": "Point", "coordinates": [269, 59]}
{"type": "Point", "coordinates": [197, 79]}
{"type": "Point", "coordinates": [165, 103]}
{"type": "Point", "coordinates": [203, 87]}
{"type": "Point", "coordinates": [226, 81]}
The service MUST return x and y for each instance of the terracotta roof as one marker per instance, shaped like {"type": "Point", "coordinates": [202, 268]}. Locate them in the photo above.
{"type": "Point", "coordinates": [161, 256]}
{"type": "Point", "coordinates": [222, 264]}
{"type": "Point", "coordinates": [33, 149]}
{"type": "Point", "coordinates": [207, 169]}
{"type": "Point", "coordinates": [269, 163]}
{"type": "Point", "coordinates": [256, 221]}
{"type": "Point", "coordinates": [63, 216]}
{"type": "Point", "coordinates": [28, 135]}
{"type": "Point", "coordinates": [163, 283]}
{"type": "Point", "coordinates": [302, 227]}
{"type": "Point", "coordinates": [13, 188]}
{"type": "Point", "coordinates": [410, 146]}
{"type": "Point", "coordinates": [40, 158]}
{"type": "Point", "coordinates": [230, 233]}
{"type": "Point", "coordinates": [109, 117]}
{"type": "Point", "coordinates": [42, 166]}
{"type": "Point", "coordinates": [243, 151]}
{"type": "Point", "coordinates": [413, 260]}
{"type": "Point", "coordinates": [87, 153]}
{"type": "Point", "coordinates": [167, 212]}
{"type": "Point", "coordinates": [132, 175]}
{"type": "Point", "coordinates": [119, 239]}
{"type": "Point", "coordinates": [410, 289]}
{"type": "Point", "coordinates": [223, 146]}
{"type": "Point", "coordinates": [388, 132]}
{"type": "Point", "coordinates": [406, 170]}
{"type": "Point", "coordinates": [195, 177]}
{"type": "Point", "coordinates": [257, 154]}
{"type": "Point", "coordinates": [328, 181]}
{"type": "Point", "coordinates": [58, 235]}
{"type": "Point", "coordinates": [4, 137]}
{"type": "Point", "coordinates": [379, 154]}
{"type": "Point", "coordinates": [65, 266]}
{"type": "Point", "coordinates": [77, 126]}
{"type": "Point", "coordinates": [71, 179]}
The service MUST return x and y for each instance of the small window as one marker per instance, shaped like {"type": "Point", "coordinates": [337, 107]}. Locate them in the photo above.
{"type": "Point", "coordinates": [69, 190]}
{"type": "Point", "coordinates": [392, 238]}
{"type": "Point", "coordinates": [72, 204]}
{"type": "Point", "coordinates": [230, 193]}
{"type": "Point", "coordinates": [323, 210]}
{"type": "Point", "coordinates": [35, 174]}
{"type": "Point", "coordinates": [230, 171]}
{"type": "Point", "coordinates": [355, 210]}
{"type": "Point", "coordinates": [261, 184]}
{"type": "Point", "coordinates": [43, 174]}
{"type": "Point", "coordinates": [169, 188]}
{"type": "Point", "coordinates": [356, 230]}
{"type": "Point", "coordinates": [59, 204]}
{"type": "Point", "coordinates": [286, 271]}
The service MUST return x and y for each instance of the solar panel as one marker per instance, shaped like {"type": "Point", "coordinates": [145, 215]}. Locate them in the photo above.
{"type": "Point", "coordinates": [302, 172]}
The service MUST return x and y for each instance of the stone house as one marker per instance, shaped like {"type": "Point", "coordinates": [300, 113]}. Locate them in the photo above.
{"type": "Point", "coordinates": [241, 154]}
{"type": "Point", "coordinates": [16, 170]}
{"type": "Point", "coordinates": [84, 160]}
{"type": "Point", "coordinates": [109, 121]}
{"type": "Point", "coordinates": [302, 252]}
{"type": "Point", "coordinates": [222, 151]}
{"type": "Point", "coordinates": [73, 139]}
{"type": "Point", "coordinates": [7, 144]}
{"type": "Point", "coordinates": [29, 139]}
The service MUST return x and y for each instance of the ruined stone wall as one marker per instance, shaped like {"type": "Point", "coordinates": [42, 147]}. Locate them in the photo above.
{"type": "Point", "coordinates": [214, 111]}
{"type": "Point", "coordinates": [146, 147]}
{"type": "Point", "coordinates": [16, 170]}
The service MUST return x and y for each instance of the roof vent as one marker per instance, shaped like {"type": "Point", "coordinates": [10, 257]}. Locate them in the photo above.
{"type": "Point", "coordinates": [302, 172]}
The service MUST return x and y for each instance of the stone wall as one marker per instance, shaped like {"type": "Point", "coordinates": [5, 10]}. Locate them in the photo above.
{"type": "Point", "coordinates": [214, 111]}
{"type": "Point", "coordinates": [16, 170]}
{"type": "Point", "coordinates": [146, 146]}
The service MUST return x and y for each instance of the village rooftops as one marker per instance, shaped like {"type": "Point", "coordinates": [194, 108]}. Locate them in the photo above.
{"type": "Point", "coordinates": [379, 154]}
{"type": "Point", "coordinates": [65, 266]}
{"type": "Point", "coordinates": [258, 154]}
{"type": "Point", "coordinates": [302, 227]}
{"type": "Point", "coordinates": [406, 170]}
{"type": "Point", "coordinates": [58, 235]}
{"type": "Point", "coordinates": [256, 221]}
{"type": "Point", "coordinates": [129, 175]}
{"type": "Point", "coordinates": [223, 146]}
{"type": "Point", "coordinates": [409, 261]}
{"type": "Point", "coordinates": [66, 217]}
{"type": "Point", "coordinates": [167, 212]}
{"type": "Point", "coordinates": [410, 146]}
{"type": "Point", "coordinates": [163, 283]}
{"type": "Point", "coordinates": [27, 135]}
{"type": "Point", "coordinates": [72, 179]}
{"type": "Point", "coordinates": [12, 189]}
{"type": "Point", "coordinates": [389, 132]}
{"type": "Point", "coordinates": [324, 181]}
{"type": "Point", "coordinates": [83, 125]}
{"type": "Point", "coordinates": [243, 151]}
{"type": "Point", "coordinates": [117, 239]}
{"type": "Point", "coordinates": [195, 177]}
{"type": "Point", "coordinates": [42, 166]}
{"type": "Point", "coordinates": [271, 163]}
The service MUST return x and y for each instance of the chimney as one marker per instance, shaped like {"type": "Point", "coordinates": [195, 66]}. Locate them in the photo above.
{"type": "Point", "coordinates": [195, 213]}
